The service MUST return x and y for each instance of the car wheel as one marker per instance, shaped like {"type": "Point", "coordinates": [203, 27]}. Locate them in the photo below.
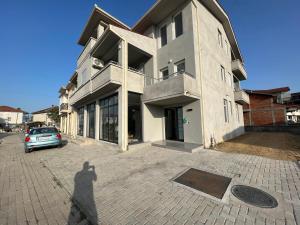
{"type": "Point", "coordinates": [27, 150]}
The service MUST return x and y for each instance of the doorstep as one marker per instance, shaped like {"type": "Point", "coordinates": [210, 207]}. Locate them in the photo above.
{"type": "Point", "coordinates": [178, 146]}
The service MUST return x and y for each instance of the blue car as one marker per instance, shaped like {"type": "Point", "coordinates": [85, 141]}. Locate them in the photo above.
{"type": "Point", "coordinates": [42, 137]}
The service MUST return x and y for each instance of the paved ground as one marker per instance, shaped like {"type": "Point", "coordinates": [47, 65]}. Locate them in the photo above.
{"type": "Point", "coordinates": [274, 145]}
{"type": "Point", "coordinates": [135, 187]}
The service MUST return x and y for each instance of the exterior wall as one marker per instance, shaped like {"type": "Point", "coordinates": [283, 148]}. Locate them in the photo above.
{"type": "Point", "coordinates": [177, 49]}
{"type": "Point", "coordinates": [43, 117]}
{"type": "Point", "coordinates": [11, 118]}
{"type": "Point", "coordinates": [262, 111]}
{"type": "Point", "coordinates": [209, 58]}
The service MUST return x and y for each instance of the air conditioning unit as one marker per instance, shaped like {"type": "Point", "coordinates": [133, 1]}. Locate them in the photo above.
{"type": "Point", "coordinates": [97, 63]}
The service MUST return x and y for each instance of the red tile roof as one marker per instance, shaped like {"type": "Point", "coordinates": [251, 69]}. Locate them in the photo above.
{"type": "Point", "coordinates": [273, 91]}
{"type": "Point", "coordinates": [4, 108]}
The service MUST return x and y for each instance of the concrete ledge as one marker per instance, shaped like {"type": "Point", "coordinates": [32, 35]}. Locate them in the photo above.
{"type": "Point", "coordinates": [277, 128]}
{"type": "Point", "coordinates": [178, 146]}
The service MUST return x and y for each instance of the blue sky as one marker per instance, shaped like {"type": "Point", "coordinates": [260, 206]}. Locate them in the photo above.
{"type": "Point", "coordinates": [39, 43]}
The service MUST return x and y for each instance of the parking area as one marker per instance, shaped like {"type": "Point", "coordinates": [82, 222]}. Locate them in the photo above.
{"type": "Point", "coordinates": [96, 182]}
{"type": "Point", "coordinates": [274, 145]}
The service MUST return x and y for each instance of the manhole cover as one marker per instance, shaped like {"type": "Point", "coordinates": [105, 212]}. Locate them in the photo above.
{"type": "Point", "coordinates": [254, 196]}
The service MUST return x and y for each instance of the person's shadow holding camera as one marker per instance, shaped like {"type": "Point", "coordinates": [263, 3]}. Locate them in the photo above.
{"type": "Point", "coordinates": [83, 202]}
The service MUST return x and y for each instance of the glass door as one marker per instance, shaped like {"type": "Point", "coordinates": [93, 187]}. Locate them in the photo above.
{"type": "Point", "coordinates": [109, 119]}
{"type": "Point", "coordinates": [91, 111]}
{"type": "Point", "coordinates": [174, 124]}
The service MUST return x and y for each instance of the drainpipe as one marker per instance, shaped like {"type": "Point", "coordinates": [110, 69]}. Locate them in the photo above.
{"type": "Point", "coordinates": [200, 73]}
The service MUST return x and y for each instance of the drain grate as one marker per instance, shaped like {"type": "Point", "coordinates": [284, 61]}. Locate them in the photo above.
{"type": "Point", "coordinates": [254, 196]}
{"type": "Point", "coordinates": [203, 181]}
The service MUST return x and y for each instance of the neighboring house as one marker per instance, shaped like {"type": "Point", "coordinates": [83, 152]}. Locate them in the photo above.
{"type": "Point", "coordinates": [266, 107]}
{"type": "Point", "coordinates": [295, 98]}
{"type": "Point", "coordinates": [10, 116]}
{"type": "Point", "coordinates": [42, 116]}
{"type": "Point", "coordinates": [293, 114]}
{"type": "Point", "coordinates": [174, 76]}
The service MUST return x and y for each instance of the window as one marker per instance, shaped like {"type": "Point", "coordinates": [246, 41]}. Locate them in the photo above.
{"type": "Point", "coordinates": [230, 104]}
{"type": "Point", "coordinates": [226, 47]}
{"type": "Point", "coordinates": [109, 119]}
{"type": "Point", "coordinates": [163, 36]}
{"type": "Point", "coordinates": [230, 80]}
{"type": "Point", "coordinates": [8, 118]}
{"type": "Point", "coordinates": [91, 113]}
{"type": "Point", "coordinates": [223, 73]}
{"type": "Point", "coordinates": [226, 113]}
{"type": "Point", "coordinates": [237, 112]}
{"type": "Point", "coordinates": [80, 121]}
{"type": "Point", "coordinates": [180, 67]}
{"type": "Point", "coordinates": [178, 25]}
{"type": "Point", "coordinates": [165, 73]}
{"type": "Point", "coordinates": [220, 39]}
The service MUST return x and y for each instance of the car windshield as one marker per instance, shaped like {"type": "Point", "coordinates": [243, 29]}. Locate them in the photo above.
{"type": "Point", "coordinates": [46, 130]}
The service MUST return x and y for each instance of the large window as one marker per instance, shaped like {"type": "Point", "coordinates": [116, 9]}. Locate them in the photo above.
{"type": "Point", "coordinates": [163, 36]}
{"type": "Point", "coordinates": [91, 112]}
{"type": "Point", "coordinates": [178, 25]}
{"type": "Point", "coordinates": [80, 121]}
{"type": "Point", "coordinates": [109, 119]}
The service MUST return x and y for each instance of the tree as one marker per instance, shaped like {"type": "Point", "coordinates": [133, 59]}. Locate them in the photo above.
{"type": "Point", "coordinates": [53, 114]}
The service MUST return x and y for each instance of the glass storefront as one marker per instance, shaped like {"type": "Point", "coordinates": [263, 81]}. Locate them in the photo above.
{"type": "Point", "coordinates": [91, 113]}
{"type": "Point", "coordinates": [80, 121]}
{"type": "Point", "coordinates": [109, 119]}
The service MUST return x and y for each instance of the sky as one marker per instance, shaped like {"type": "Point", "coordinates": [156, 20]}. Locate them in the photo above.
{"type": "Point", "coordinates": [38, 43]}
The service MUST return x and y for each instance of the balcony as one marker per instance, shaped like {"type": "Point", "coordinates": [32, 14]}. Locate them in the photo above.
{"type": "Point", "coordinates": [83, 91]}
{"type": "Point", "coordinates": [176, 89]}
{"type": "Point", "coordinates": [85, 52]}
{"type": "Point", "coordinates": [108, 78]}
{"type": "Point", "coordinates": [241, 97]}
{"type": "Point", "coordinates": [63, 107]}
{"type": "Point", "coordinates": [239, 70]}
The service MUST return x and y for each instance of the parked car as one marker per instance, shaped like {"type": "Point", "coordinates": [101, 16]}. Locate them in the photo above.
{"type": "Point", "coordinates": [42, 137]}
{"type": "Point", "coordinates": [7, 129]}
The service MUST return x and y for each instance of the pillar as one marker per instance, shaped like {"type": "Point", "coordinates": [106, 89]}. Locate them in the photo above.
{"type": "Point", "coordinates": [97, 120]}
{"type": "Point", "coordinates": [123, 97]}
{"type": "Point", "coordinates": [85, 119]}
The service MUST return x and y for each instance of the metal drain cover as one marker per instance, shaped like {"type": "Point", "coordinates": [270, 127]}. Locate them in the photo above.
{"type": "Point", "coordinates": [254, 196]}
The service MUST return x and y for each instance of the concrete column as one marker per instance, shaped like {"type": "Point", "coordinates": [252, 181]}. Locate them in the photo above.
{"type": "Point", "coordinates": [123, 97]}
{"type": "Point", "coordinates": [67, 124]}
{"type": "Point", "coordinates": [97, 120]}
{"type": "Point", "coordinates": [100, 30]}
{"type": "Point", "coordinates": [61, 123]}
{"type": "Point", "coordinates": [85, 122]}
{"type": "Point", "coordinates": [74, 124]}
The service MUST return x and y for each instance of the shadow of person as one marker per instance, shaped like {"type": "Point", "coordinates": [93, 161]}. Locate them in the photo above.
{"type": "Point", "coordinates": [83, 209]}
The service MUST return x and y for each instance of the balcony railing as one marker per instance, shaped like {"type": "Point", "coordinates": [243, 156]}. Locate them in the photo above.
{"type": "Point", "coordinates": [154, 80]}
{"type": "Point", "coordinates": [64, 107]}
{"type": "Point", "coordinates": [177, 87]}
{"type": "Point", "coordinates": [86, 50]}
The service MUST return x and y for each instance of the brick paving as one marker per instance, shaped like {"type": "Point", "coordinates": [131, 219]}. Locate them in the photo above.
{"type": "Point", "coordinates": [136, 187]}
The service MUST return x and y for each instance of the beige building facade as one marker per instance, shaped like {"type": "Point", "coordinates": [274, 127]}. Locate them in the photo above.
{"type": "Point", "coordinates": [42, 116]}
{"type": "Point", "coordinates": [174, 76]}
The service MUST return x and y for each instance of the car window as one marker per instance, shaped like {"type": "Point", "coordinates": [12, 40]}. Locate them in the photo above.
{"type": "Point", "coordinates": [43, 131]}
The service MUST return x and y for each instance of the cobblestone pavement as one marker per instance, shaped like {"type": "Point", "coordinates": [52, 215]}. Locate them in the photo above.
{"type": "Point", "coordinates": [136, 187]}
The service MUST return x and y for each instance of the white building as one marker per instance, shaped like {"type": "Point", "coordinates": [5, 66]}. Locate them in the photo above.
{"type": "Point", "coordinates": [10, 116]}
